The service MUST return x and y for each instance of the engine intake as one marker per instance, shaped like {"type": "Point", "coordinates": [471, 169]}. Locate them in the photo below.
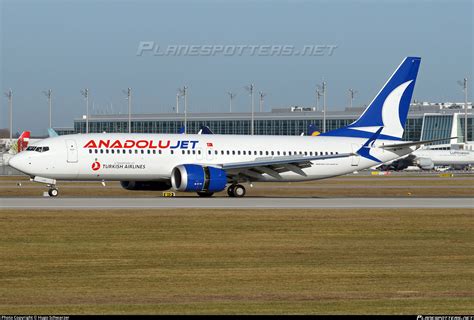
{"type": "Point", "coordinates": [146, 185]}
{"type": "Point", "coordinates": [425, 163]}
{"type": "Point", "coordinates": [196, 178]}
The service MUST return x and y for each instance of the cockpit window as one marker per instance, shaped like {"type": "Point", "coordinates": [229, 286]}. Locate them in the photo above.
{"type": "Point", "coordinates": [31, 148]}
{"type": "Point", "coordinates": [40, 149]}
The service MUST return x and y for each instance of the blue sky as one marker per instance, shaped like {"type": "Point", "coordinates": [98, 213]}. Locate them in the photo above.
{"type": "Point", "coordinates": [69, 45]}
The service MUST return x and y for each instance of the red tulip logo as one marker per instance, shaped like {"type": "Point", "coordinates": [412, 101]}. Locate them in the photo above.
{"type": "Point", "coordinates": [96, 166]}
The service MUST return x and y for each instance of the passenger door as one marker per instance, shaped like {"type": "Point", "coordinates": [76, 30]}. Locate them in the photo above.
{"type": "Point", "coordinates": [71, 151]}
{"type": "Point", "coordinates": [356, 158]}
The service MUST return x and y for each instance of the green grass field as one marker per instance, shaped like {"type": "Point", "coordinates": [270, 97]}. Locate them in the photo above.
{"type": "Point", "coordinates": [414, 261]}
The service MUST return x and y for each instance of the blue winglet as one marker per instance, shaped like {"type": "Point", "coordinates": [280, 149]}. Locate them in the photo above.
{"type": "Point", "coordinates": [364, 151]}
{"type": "Point", "coordinates": [206, 130]}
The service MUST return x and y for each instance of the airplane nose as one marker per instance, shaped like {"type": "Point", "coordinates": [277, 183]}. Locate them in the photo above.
{"type": "Point", "coordinates": [18, 163]}
{"type": "Point", "coordinates": [13, 162]}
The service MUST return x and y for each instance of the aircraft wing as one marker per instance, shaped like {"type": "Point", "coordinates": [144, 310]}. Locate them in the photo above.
{"type": "Point", "coordinates": [273, 166]}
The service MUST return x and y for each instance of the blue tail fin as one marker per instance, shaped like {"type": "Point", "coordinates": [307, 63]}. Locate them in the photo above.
{"type": "Point", "coordinates": [389, 109]}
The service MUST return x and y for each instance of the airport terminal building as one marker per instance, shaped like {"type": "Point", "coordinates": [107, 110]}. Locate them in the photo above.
{"type": "Point", "coordinates": [425, 121]}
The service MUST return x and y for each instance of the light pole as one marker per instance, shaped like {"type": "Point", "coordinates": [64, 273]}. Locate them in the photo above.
{"type": "Point", "coordinates": [464, 85]}
{"type": "Point", "coordinates": [184, 93]}
{"type": "Point", "coordinates": [177, 101]}
{"type": "Point", "coordinates": [128, 92]}
{"type": "Point", "coordinates": [318, 96]}
{"type": "Point", "coordinates": [262, 95]}
{"type": "Point", "coordinates": [352, 94]}
{"type": "Point", "coordinates": [250, 89]}
{"type": "Point", "coordinates": [323, 89]}
{"type": "Point", "coordinates": [49, 95]}
{"type": "Point", "coordinates": [9, 95]}
{"type": "Point", "coordinates": [231, 97]}
{"type": "Point", "coordinates": [85, 94]}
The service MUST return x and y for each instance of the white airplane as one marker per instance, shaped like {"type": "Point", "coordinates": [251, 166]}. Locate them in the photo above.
{"type": "Point", "coordinates": [454, 155]}
{"type": "Point", "coordinates": [209, 163]}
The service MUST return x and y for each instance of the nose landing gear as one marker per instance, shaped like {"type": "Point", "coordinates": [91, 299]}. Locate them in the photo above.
{"type": "Point", "coordinates": [53, 192]}
{"type": "Point", "coordinates": [50, 183]}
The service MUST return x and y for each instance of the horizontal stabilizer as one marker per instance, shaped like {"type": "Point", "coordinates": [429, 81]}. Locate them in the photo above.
{"type": "Point", "coordinates": [411, 144]}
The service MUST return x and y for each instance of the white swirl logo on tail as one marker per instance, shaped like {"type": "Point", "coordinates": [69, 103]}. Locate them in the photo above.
{"type": "Point", "coordinates": [391, 111]}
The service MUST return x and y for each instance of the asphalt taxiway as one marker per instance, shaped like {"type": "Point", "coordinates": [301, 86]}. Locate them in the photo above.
{"type": "Point", "coordinates": [232, 203]}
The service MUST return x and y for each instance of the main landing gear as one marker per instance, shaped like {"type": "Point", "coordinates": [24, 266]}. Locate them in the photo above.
{"type": "Point", "coordinates": [236, 190]}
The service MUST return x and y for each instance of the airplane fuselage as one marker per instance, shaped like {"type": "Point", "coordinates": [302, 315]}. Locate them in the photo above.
{"type": "Point", "coordinates": [152, 157]}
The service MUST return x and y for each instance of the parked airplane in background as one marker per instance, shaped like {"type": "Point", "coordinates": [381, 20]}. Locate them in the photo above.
{"type": "Point", "coordinates": [15, 147]}
{"type": "Point", "coordinates": [456, 156]}
{"type": "Point", "coordinates": [208, 163]}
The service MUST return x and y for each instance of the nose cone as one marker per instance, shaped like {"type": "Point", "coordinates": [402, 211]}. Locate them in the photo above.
{"type": "Point", "coordinates": [18, 162]}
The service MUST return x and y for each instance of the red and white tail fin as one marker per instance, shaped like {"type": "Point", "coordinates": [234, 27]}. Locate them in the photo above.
{"type": "Point", "coordinates": [21, 144]}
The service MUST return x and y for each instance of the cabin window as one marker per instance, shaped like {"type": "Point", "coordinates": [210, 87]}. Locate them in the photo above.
{"type": "Point", "coordinates": [90, 150]}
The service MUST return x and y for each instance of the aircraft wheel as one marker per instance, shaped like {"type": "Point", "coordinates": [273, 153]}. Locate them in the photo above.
{"type": "Point", "coordinates": [230, 190]}
{"type": "Point", "coordinates": [204, 194]}
{"type": "Point", "coordinates": [53, 192]}
{"type": "Point", "coordinates": [238, 191]}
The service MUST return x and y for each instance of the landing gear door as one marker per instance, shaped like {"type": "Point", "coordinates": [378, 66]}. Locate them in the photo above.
{"type": "Point", "coordinates": [355, 158]}
{"type": "Point", "coordinates": [71, 151]}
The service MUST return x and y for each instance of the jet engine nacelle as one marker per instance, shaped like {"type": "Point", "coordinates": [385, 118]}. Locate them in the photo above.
{"type": "Point", "coordinates": [425, 163]}
{"type": "Point", "coordinates": [196, 178]}
{"type": "Point", "coordinates": [146, 185]}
